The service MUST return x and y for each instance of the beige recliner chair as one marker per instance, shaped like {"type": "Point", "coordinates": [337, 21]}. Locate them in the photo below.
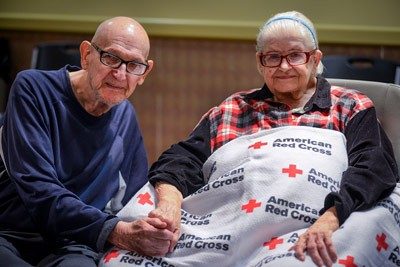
{"type": "Point", "coordinates": [386, 97]}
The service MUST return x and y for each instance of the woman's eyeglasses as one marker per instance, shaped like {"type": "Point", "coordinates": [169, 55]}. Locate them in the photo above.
{"type": "Point", "coordinates": [272, 60]}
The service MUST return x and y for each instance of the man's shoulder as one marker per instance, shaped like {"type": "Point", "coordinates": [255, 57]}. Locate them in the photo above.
{"type": "Point", "coordinates": [33, 81]}
{"type": "Point", "coordinates": [31, 73]}
{"type": "Point", "coordinates": [25, 76]}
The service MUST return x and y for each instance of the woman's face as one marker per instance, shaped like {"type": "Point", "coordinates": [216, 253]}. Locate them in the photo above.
{"type": "Point", "coordinates": [285, 78]}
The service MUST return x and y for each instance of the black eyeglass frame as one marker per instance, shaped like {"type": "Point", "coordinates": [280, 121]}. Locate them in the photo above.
{"type": "Point", "coordinates": [307, 53]}
{"type": "Point", "coordinates": [121, 61]}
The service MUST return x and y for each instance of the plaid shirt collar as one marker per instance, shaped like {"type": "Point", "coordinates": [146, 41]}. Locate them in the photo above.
{"type": "Point", "coordinates": [320, 99]}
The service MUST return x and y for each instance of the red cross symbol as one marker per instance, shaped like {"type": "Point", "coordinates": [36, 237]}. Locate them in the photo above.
{"type": "Point", "coordinates": [110, 255]}
{"type": "Point", "coordinates": [258, 145]}
{"type": "Point", "coordinates": [348, 262]}
{"type": "Point", "coordinates": [145, 199]}
{"type": "Point", "coordinates": [381, 242]}
{"type": "Point", "coordinates": [292, 170]}
{"type": "Point", "coordinates": [273, 243]}
{"type": "Point", "coordinates": [251, 205]}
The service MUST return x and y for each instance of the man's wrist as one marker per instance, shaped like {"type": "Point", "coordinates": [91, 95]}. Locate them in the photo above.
{"type": "Point", "coordinates": [114, 237]}
{"type": "Point", "coordinates": [108, 228]}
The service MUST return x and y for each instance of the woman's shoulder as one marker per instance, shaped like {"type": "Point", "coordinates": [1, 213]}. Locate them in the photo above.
{"type": "Point", "coordinates": [350, 96]}
{"type": "Point", "coordinates": [237, 102]}
{"type": "Point", "coordinates": [243, 96]}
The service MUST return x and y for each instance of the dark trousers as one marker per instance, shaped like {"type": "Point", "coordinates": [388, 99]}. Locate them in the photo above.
{"type": "Point", "coordinates": [29, 249]}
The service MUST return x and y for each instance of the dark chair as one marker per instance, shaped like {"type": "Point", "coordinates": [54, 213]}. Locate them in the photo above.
{"type": "Point", "coordinates": [360, 68]}
{"type": "Point", "coordinates": [5, 72]}
{"type": "Point", "coordinates": [52, 56]}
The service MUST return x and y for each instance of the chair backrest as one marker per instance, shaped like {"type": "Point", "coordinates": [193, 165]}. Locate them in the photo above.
{"type": "Point", "coordinates": [386, 98]}
{"type": "Point", "coordinates": [52, 56]}
{"type": "Point", "coordinates": [360, 68]}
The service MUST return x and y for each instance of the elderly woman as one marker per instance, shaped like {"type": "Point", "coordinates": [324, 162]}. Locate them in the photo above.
{"type": "Point", "coordinates": [294, 96]}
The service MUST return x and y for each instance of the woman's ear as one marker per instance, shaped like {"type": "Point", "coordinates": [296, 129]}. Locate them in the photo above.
{"type": "Point", "coordinates": [259, 66]}
{"type": "Point", "coordinates": [84, 49]}
{"type": "Point", "coordinates": [317, 56]}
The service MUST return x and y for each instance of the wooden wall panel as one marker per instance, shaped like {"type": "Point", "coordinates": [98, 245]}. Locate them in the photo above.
{"type": "Point", "coordinates": [190, 76]}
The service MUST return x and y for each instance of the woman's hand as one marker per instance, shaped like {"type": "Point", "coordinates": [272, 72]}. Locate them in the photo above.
{"type": "Point", "coordinates": [169, 209]}
{"type": "Point", "coordinates": [317, 240]}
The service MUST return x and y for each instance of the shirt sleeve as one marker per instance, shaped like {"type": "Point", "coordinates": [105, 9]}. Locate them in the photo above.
{"type": "Point", "coordinates": [28, 156]}
{"type": "Point", "coordinates": [372, 172]}
{"type": "Point", "coordinates": [181, 164]}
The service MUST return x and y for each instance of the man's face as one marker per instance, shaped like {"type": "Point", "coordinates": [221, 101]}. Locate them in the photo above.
{"type": "Point", "coordinates": [111, 85]}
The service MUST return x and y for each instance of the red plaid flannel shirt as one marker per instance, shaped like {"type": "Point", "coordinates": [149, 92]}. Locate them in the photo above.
{"type": "Point", "coordinates": [248, 112]}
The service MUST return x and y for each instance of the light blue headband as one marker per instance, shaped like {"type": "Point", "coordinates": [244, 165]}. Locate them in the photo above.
{"type": "Point", "coordinates": [302, 22]}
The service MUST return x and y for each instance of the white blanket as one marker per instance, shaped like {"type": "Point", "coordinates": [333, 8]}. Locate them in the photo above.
{"type": "Point", "coordinates": [264, 191]}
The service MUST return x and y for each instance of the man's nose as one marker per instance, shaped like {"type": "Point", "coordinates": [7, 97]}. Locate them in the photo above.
{"type": "Point", "coordinates": [120, 72]}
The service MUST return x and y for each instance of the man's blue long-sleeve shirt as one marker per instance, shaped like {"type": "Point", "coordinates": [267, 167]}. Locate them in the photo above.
{"type": "Point", "coordinates": [63, 164]}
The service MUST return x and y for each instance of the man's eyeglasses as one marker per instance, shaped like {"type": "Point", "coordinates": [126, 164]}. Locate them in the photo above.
{"type": "Point", "coordinates": [272, 60]}
{"type": "Point", "coordinates": [113, 61]}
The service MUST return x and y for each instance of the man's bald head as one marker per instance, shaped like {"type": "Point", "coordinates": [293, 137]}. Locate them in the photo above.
{"type": "Point", "coordinates": [122, 30]}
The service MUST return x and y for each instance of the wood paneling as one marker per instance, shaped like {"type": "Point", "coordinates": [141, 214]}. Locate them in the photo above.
{"type": "Point", "coordinates": [190, 76]}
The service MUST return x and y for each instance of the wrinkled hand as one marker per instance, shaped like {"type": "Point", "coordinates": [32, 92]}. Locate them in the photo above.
{"type": "Point", "coordinates": [148, 236]}
{"type": "Point", "coordinates": [169, 210]}
{"type": "Point", "coordinates": [317, 240]}
{"type": "Point", "coordinates": [171, 215]}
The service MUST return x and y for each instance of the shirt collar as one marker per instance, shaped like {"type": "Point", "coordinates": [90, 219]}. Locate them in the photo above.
{"type": "Point", "coordinates": [321, 98]}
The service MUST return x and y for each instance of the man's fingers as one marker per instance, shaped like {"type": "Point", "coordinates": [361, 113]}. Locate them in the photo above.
{"type": "Point", "coordinates": [153, 247]}
{"type": "Point", "coordinates": [142, 236]}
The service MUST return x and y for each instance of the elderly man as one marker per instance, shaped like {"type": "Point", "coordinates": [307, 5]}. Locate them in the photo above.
{"type": "Point", "coordinates": [73, 155]}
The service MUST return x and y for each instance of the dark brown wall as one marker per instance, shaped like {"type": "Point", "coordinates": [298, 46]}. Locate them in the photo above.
{"type": "Point", "coordinates": [190, 76]}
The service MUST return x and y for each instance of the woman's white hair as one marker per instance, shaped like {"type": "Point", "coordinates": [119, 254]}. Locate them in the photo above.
{"type": "Point", "coordinates": [293, 24]}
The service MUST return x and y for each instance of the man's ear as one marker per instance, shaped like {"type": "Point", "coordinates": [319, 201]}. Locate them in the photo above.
{"type": "Point", "coordinates": [143, 77]}
{"type": "Point", "coordinates": [84, 50]}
